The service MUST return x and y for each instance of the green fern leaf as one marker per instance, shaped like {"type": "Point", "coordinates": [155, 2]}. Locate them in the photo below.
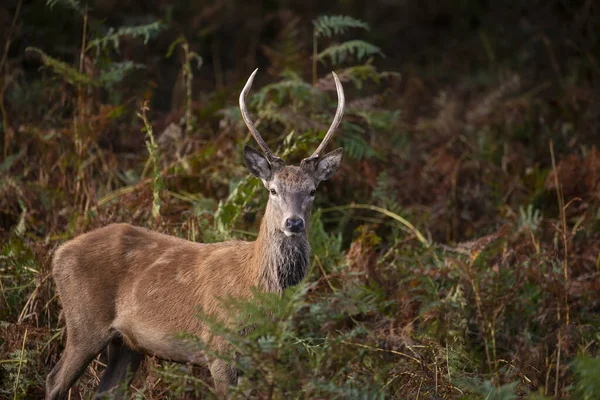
{"type": "Point", "coordinates": [354, 142]}
{"type": "Point", "coordinates": [327, 25]}
{"type": "Point", "coordinates": [66, 72]}
{"type": "Point", "coordinates": [358, 48]}
{"type": "Point", "coordinates": [292, 87]}
{"type": "Point", "coordinates": [117, 72]}
{"type": "Point", "coordinates": [113, 37]}
{"type": "Point", "coordinates": [385, 195]}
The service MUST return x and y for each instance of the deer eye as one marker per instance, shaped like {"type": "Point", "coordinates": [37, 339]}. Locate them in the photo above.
{"type": "Point", "coordinates": [312, 192]}
{"type": "Point", "coordinates": [273, 192]}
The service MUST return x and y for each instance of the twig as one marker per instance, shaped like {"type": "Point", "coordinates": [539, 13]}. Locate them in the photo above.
{"type": "Point", "coordinates": [563, 220]}
{"type": "Point", "coordinates": [2, 62]}
{"type": "Point", "coordinates": [419, 391]}
{"type": "Point", "coordinates": [383, 350]}
{"type": "Point", "coordinates": [78, 121]}
{"type": "Point", "coordinates": [4, 296]}
{"type": "Point", "coordinates": [314, 59]}
{"type": "Point", "coordinates": [390, 214]}
{"type": "Point", "coordinates": [318, 260]}
{"type": "Point", "coordinates": [20, 364]}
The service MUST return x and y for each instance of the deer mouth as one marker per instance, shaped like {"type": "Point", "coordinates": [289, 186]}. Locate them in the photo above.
{"type": "Point", "coordinates": [289, 233]}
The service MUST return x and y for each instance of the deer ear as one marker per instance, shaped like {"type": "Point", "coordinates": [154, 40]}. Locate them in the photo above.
{"type": "Point", "coordinates": [257, 163]}
{"type": "Point", "coordinates": [328, 165]}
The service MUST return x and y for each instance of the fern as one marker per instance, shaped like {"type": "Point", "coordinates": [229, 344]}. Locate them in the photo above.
{"type": "Point", "coordinates": [328, 26]}
{"type": "Point", "coordinates": [358, 48]}
{"type": "Point", "coordinates": [113, 37]}
{"type": "Point", "coordinates": [324, 245]}
{"type": "Point", "coordinates": [489, 391]}
{"type": "Point", "coordinates": [587, 371]}
{"type": "Point", "coordinates": [354, 142]}
{"type": "Point", "coordinates": [385, 194]}
{"type": "Point", "coordinates": [68, 73]}
{"type": "Point", "coordinates": [230, 210]}
{"type": "Point", "coordinates": [117, 73]}
{"type": "Point", "coordinates": [379, 120]}
{"type": "Point", "coordinates": [152, 148]}
{"type": "Point", "coordinates": [293, 87]}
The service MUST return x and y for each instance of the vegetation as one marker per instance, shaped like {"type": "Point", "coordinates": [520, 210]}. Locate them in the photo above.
{"type": "Point", "coordinates": [456, 254]}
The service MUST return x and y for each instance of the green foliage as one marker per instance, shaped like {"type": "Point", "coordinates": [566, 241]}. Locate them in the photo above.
{"type": "Point", "coordinates": [283, 350]}
{"type": "Point", "coordinates": [385, 194]}
{"type": "Point", "coordinates": [357, 48]}
{"type": "Point", "coordinates": [324, 245]}
{"type": "Point", "coordinates": [328, 26]}
{"type": "Point", "coordinates": [355, 144]}
{"type": "Point", "coordinates": [359, 74]}
{"type": "Point", "coordinates": [488, 391]}
{"type": "Point", "coordinates": [65, 71]}
{"type": "Point", "coordinates": [107, 78]}
{"type": "Point", "coordinates": [230, 210]}
{"type": "Point", "coordinates": [587, 377]}
{"type": "Point", "coordinates": [291, 88]}
{"type": "Point", "coordinates": [113, 36]}
{"type": "Point", "coordinates": [529, 218]}
{"type": "Point", "coordinates": [19, 275]}
{"type": "Point", "coordinates": [14, 367]}
{"type": "Point", "coordinates": [152, 147]}
{"type": "Point", "coordinates": [117, 72]}
{"type": "Point", "coordinates": [188, 76]}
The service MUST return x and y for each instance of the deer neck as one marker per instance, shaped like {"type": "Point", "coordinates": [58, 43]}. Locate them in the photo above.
{"type": "Point", "coordinates": [281, 261]}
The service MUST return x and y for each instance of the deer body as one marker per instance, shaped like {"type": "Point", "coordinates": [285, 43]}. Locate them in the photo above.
{"type": "Point", "coordinates": [134, 291]}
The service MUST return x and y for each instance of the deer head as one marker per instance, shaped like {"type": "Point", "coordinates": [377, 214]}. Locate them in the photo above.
{"type": "Point", "coordinates": [291, 188]}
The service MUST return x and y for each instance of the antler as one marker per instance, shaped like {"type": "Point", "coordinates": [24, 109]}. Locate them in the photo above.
{"type": "Point", "coordinates": [248, 121]}
{"type": "Point", "coordinates": [336, 120]}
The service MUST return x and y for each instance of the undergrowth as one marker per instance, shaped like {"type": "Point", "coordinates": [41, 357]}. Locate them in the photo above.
{"type": "Point", "coordinates": [455, 255]}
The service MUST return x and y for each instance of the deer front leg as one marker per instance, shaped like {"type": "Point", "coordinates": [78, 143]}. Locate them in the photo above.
{"type": "Point", "coordinates": [223, 375]}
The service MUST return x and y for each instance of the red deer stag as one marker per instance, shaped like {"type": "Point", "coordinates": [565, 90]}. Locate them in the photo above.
{"type": "Point", "coordinates": [134, 291]}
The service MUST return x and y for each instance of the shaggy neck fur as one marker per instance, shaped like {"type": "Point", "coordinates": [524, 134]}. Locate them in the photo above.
{"type": "Point", "coordinates": [281, 261]}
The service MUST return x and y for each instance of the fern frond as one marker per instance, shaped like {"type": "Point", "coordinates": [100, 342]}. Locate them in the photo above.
{"type": "Point", "coordinates": [66, 72]}
{"type": "Point", "coordinates": [113, 37]}
{"type": "Point", "coordinates": [354, 142]}
{"type": "Point", "coordinates": [230, 210]}
{"type": "Point", "coordinates": [292, 87]}
{"type": "Point", "coordinates": [385, 194]}
{"type": "Point", "coordinates": [107, 78]}
{"type": "Point", "coordinates": [378, 119]}
{"type": "Point", "coordinates": [116, 73]}
{"type": "Point", "coordinates": [358, 48]}
{"type": "Point", "coordinates": [358, 74]}
{"type": "Point", "coordinates": [329, 25]}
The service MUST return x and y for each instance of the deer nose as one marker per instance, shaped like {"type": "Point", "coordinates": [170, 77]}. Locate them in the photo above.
{"type": "Point", "coordinates": [294, 224]}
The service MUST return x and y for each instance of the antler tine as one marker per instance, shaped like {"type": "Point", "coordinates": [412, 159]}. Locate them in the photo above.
{"type": "Point", "coordinates": [248, 121]}
{"type": "Point", "coordinates": [336, 120]}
